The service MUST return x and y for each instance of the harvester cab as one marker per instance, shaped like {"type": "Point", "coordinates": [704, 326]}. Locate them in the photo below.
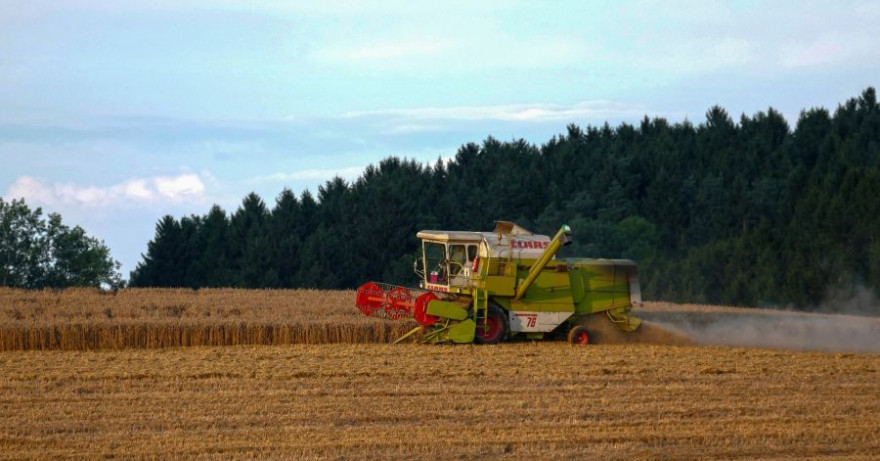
{"type": "Point", "coordinates": [445, 264]}
{"type": "Point", "coordinates": [486, 287]}
{"type": "Point", "coordinates": [448, 261]}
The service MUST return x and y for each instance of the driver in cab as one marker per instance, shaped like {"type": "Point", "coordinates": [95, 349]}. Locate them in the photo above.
{"type": "Point", "coordinates": [457, 258]}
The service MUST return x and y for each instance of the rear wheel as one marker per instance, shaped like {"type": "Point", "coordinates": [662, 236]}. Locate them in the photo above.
{"type": "Point", "coordinates": [494, 329]}
{"type": "Point", "coordinates": [579, 335]}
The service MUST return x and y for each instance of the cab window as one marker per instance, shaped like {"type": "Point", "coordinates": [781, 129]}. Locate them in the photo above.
{"type": "Point", "coordinates": [457, 254]}
{"type": "Point", "coordinates": [457, 259]}
{"type": "Point", "coordinates": [435, 254]}
{"type": "Point", "coordinates": [472, 253]}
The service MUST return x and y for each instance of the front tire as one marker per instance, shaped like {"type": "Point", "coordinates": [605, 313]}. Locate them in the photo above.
{"type": "Point", "coordinates": [497, 327]}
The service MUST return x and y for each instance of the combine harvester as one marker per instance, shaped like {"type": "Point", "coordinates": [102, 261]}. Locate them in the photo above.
{"type": "Point", "coordinates": [487, 287]}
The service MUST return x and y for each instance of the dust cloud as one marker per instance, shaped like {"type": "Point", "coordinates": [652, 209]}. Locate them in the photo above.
{"type": "Point", "coordinates": [771, 329]}
{"type": "Point", "coordinates": [602, 331]}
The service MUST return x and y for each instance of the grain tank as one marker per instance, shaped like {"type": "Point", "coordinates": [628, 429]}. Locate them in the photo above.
{"type": "Point", "coordinates": [488, 287]}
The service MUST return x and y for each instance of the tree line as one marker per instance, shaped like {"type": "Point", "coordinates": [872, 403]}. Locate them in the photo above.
{"type": "Point", "coordinates": [747, 212]}
{"type": "Point", "coordinates": [36, 252]}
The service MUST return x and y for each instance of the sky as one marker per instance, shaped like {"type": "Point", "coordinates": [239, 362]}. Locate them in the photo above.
{"type": "Point", "coordinates": [114, 114]}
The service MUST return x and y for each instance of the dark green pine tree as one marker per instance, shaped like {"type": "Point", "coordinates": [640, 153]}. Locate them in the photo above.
{"type": "Point", "coordinates": [213, 267]}
{"type": "Point", "coordinates": [162, 266]}
{"type": "Point", "coordinates": [193, 246]}
{"type": "Point", "coordinates": [284, 235]}
{"type": "Point", "coordinates": [339, 262]}
{"type": "Point", "coordinates": [251, 249]}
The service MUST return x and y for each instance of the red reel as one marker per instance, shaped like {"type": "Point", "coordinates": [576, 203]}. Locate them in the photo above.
{"type": "Point", "coordinates": [420, 311]}
{"type": "Point", "coordinates": [370, 298]}
{"type": "Point", "coordinates": [398, 303]}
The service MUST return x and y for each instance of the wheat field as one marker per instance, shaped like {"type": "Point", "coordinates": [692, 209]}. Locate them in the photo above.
{"type": "Point", "coordinates": [91, 375]}
{"type": "Point", "coordinates": [513, 401]}
{"type": "Point", "coordinates": [88, 319]}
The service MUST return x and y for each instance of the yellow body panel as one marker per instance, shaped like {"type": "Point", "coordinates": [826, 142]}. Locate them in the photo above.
{"type": "Point", "coordinates": [550, 292]}
{"type": "Point", "coordinates": [448, 310]}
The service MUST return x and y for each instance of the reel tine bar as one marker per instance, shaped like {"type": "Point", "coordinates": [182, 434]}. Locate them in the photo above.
{"type": "Point", "coordinates": [394, 302]}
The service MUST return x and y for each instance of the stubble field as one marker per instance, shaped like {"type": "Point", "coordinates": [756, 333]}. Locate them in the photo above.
{"type": "Point", "coordinates": [376, 401]}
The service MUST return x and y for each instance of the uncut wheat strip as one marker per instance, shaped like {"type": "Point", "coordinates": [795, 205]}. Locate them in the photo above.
{"type": "Point", "coordinates": [112, 336]}
{"type": "Point", "coordinates": [259, 306]}
{"type": "Point", "coordinates": [51, 322]}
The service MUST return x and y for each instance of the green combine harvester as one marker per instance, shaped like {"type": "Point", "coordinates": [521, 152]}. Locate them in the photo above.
{"type": "Point", "coordinates": [487, 287]}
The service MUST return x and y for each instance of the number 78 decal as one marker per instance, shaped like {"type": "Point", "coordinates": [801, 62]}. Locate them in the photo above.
{"type": "Point", "coordinates": [528, 320]}
{"type": "Point", "coordinates": [537, 322]}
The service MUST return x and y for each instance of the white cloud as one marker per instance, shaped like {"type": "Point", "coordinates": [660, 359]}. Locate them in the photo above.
{"type": "Point", "coordinates": [411, 52]}
{"type": "Point", "coordinates": [138, 189]}
{"type": "Point", "coordinates": [408, 128]}
{"type": "Point", "coordinates": [316, 174]}
{"type": "Point", "coordinates": [535, 113]}
{"type": "Point", "coordinates": [158, 189]}
{"type": "Point", "coordinates": [30, 189]}
{"type": "Point", "coordinates": [183, 186]}
{"type": "Point", "coordinates": [830, 48]}
{"type": "Point", "coordinates": [690, 56]}
{"type": "Point", "coordinates": [383, 51]}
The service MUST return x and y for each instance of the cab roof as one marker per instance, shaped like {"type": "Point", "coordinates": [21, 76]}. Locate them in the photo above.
{"type": "Point", "coordinates": [447, 236]}
{"type": "Point", "coordinates": [502, 228]}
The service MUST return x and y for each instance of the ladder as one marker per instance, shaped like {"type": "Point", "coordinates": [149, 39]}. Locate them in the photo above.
{"type": "Point", "coordinates": [481, 307]}
{"type": "Point", "coordinates": [481, 293]}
